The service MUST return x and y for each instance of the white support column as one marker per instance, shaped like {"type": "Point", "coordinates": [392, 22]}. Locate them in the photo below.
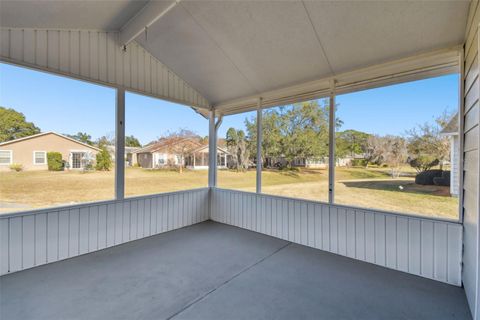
{"type": "Point", "coordinates": [331, 147]}
{"type": "Point", "coordinates": [259, 146]}
{"type": "Point", "coordinates": [212, 151]}
{"type": "Point", "coordinates": [120, 145]}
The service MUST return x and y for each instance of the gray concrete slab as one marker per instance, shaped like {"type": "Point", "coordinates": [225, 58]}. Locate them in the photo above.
{"type": "Point", "coordinates": [299, 282]}
{"type": "Point", "coordinates": [214, 271]}
{"type": "Point", "coordinates": [152, 278]}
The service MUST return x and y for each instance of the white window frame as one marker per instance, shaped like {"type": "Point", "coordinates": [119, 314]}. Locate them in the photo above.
{"type": "Point", "coordinates": [11, 158]}
{"type": "Point", "coordinates": [44, 155]}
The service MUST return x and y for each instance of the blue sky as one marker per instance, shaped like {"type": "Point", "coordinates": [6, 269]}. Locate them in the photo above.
{"type": "Point", "coordinates": [64, 105]}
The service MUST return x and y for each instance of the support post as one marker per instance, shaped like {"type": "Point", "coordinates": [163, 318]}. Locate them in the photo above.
{"type": "Point", "coordinates": [212, 151]}
{"type": "Point", "coordinates": [331, 147]}
{"type": "Point", "coordinates": [259, 146]}
{"type": "Point", "coordinates": [120, 145]}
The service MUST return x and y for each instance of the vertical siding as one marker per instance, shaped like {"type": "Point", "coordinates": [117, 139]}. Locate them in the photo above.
{"type": "Point", "coordinates": [471, 86]}
{"type": "Point", "coordinates": [34, 239]}
{"type": "Point", "coordinates": [95, 56]}
{"type": "Point", "coordinates": [419, 246]}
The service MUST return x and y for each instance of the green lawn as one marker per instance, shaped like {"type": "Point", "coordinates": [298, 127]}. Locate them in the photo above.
{"type": "Point", "coordinates": [361, 187]}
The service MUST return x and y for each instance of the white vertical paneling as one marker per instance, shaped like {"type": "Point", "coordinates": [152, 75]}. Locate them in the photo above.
{"type": "Point", "coordinates": [102, 226]}
{"type": "Point", "coordinates": [37, 238]}
{"type": "Point", "coordinates": [15, 244]}
{"type": "Point", "coordinates": [427, 247]}
{"type": "Point", "coordinates": [93, 229]}
{"type": "Point", "coordinates": [63, 233]}
{"type": "Point", "coordinates": [391, 241]}
{"type": "Point", "coordinates": [416, 245]}
{"type": "Point", "coordinates": [402, 244]}
{"type": "Point", "coordinates": [74, 234]}
{"type": "Point", "coordinates": [40, 239]}
{"type": "Point", "coordinates": [4, 246]}
{"type": "Point", "coordinates": [52, 236]}
{"type": "Point", "coordinates": [28, 241]}
{"type": "Point", "coordinates": [370, 237]}
{"type": "Point", "coordinates": [95, 56]}
{"type": "Point", "coordinates": [83, 238]}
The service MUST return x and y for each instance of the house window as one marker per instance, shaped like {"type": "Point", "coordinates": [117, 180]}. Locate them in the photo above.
{"type": "Point", "coordinates": [39, 157]}
{"type": "Point", "coordinates": [6, 157]}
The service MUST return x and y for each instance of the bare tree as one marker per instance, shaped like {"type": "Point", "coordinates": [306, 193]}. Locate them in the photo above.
{"type": "Point", "coordinates": [390, 150]}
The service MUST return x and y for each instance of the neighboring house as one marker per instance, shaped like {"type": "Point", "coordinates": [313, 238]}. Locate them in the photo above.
{"type": "Point", "coordinates": [130, 154]}
{"type": "Point", "coordinates": [31, 151]}
{"type": "Point", "coordinates": [451, 130]}
{"type": "Point", "coordinates": [188, 152]}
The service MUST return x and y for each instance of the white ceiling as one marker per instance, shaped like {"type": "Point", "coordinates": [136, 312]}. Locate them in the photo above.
{"type": "Point", "coordinates": [233, 49]}
{"type": "Point", "coordinates": [68, 14]}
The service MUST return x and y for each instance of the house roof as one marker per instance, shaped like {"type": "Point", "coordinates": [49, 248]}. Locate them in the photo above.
{"type": "Point", "coordinates": [47, 133]}
{"type": "Point", "coordinates": [206, 147]}
{"type": "Point", "coordinates": [451, 129]}
{"type": "Point", "coordinates": [166, 143]}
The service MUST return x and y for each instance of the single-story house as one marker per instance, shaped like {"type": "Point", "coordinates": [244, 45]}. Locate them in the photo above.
{"type": "Point", "coordinates": [188, 152]}
{"type": "Point", "coordinates": [31, 152]}
{"type": "Point", "coordinates": [451, 130]}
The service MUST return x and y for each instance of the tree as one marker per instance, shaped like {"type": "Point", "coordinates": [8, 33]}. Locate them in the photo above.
{"type": "Point", "coordinates": [237, 146]}
{"type": "Point", "coordinates": [103, 160]}
{"type": "Point", "coordinates": [351, 143]}
{"type": "Point", "coordinates": [13, 125]}
{"type": "Point", "coordinates": [427, 147]}
{"type": "Point", "coordinates": [296, 131]}
{"type": "Point", "coordinates": [182, 143]}
{"type": "Point", "coordinates": [390, 150]}
{"type": "Point", "coordinates": [82, 137]}
{"type": "Point", "coordinates": [131, 141]}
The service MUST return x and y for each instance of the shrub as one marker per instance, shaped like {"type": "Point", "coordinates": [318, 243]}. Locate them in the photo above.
{"type": "Point", "coordinates": [444, 180]}
{"type": "Point", "coordinates": [103, 160]}
{"type": "Point", "coordinates": [359, 162]}
{"type": "Point", "coordinates": [54, 161]}
{"type": "Point", "coordinates": [426, 177]}
{"type": "Point", "coordinates": [16, 167]}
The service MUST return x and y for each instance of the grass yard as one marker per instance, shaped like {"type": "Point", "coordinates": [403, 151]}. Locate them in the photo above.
{"type": "Point", "coordinates": [361, 187]}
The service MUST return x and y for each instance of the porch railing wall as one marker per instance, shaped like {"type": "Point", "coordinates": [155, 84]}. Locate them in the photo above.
{"type": "Point", "coordinates": [420, 246]}
{"type": "Point", "coordinates": [35, 238]}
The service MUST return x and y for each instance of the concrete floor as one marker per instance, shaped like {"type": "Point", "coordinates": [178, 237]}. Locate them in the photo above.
{"type": "Point", "coordinates": [214, 271]}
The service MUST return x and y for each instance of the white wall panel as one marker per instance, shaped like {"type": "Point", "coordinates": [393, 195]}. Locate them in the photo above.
{"type": "Point", "coordinates": [471, 183]}
{"type": "Point", "coordinates": [35, 238]}
{"type": "Point", "coordinates": [420, 246]}
{"type": "Point", "coordinates": [95, 56]}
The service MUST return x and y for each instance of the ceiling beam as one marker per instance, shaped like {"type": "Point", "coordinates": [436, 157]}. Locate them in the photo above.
{"type": "Point", "coordinates": [149, 14]}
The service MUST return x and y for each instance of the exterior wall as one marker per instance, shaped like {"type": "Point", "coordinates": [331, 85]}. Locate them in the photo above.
{"type": "Point", "coordinates": [471, 164]}
{"type": "Point", "coordinates": [420, 246]}
{"type": "Point", "coordinates": [98, 57]}
{"type": "Point", "coordinates": [455, 166]}
{"type": "Point", "coordinates": [23, 150]}
{"type": "Point", "coordinates": [39, 237]}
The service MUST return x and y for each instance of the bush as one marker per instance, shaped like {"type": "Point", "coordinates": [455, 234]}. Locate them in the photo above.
{"type": "Point", "coordinates": [426, 177]}
{"type": "Point", "coordinates": [444, 180]}
{"type": "Point", "coordinates": [54, 161]}
{"type": "Point", "coordinates": [359, 163]}
{"type": "Point", "coordinates": [103, 160]}
{"type": "Point", "coordinates": [16, 167]}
